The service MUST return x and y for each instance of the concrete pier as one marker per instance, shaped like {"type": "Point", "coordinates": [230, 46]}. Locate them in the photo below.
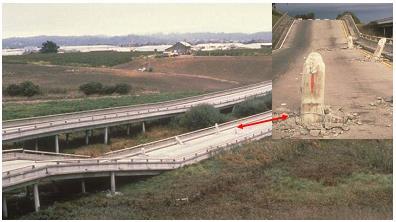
{"type": "Point", "coordinates": [106, 135]}
{"type": "Point", "coordinates": [83, 187]}
{"type": "Point", "coordinates": [36, 145]}
{"type": "Point", "coordinates": [143, 127]}
{"type": "Point", "coordinates": [36, 197]}
{"type": "Point", "coordinates": [5, 210]}
{"type": "Point", "coordinates": [112, 182]}
{"type": "Point", "coordinates": [379, 49]}
{"type": "Point", "coordinates": [67, 138]}
{"type": "Point", "coordinates": [86, 137]}
{"type": "Point", "coordinates": [57, 143]}
{"type": "Point", "coordinates": [312, 89]}
{"type": "Point", "coordinates": [128, 129]}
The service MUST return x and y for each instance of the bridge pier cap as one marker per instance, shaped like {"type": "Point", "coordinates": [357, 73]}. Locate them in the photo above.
{"type": "Point", "coordinates": [312, 89]}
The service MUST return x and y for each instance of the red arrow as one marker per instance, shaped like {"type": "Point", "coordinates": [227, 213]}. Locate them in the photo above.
{"type": "Point", "coordinates": [282, 117]}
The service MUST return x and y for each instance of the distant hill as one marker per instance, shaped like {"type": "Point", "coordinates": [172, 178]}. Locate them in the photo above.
{"type": "Point", "coordinates": [137, 40]}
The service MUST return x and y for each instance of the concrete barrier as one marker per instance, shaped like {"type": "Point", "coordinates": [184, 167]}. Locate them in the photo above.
{"type": "Point", "coordinates": [312, 89]}
{"type": "Point", "coordinates": [380, 48]}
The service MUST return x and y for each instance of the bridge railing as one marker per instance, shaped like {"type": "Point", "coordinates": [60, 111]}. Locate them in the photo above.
{"type": "Point", "coordinates": [280, 29]}
{"type": "Point", "coordinates": [14, 154]}
{"type": "Point", "coordinates": [73, 166]}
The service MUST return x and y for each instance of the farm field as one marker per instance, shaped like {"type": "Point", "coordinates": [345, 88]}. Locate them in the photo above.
{"type": "Point", "coordinates": [60, 77]}
{"type": "Point", "coordinates": [285, 179]}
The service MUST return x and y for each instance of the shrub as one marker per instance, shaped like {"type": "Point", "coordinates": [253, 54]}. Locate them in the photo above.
{"type": "Point", "coordinates": [201, 116]}
{"type": "Point", "coordinates": [13, 90]}
{"type": "Point", "coordinates": [29, 89]}
{"type": "Point", "coordinates": [107, 90]}
{"type": "Point", "coordinates": [26, 88]}
{"type": "Point", "coordinates": [91, 88]}
{"type": "Point", "coordinates": [122, 88]}
{"type": "Point", "coordinates": [253, 106]}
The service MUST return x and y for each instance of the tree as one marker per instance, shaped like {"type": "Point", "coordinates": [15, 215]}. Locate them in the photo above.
{"type": "Point", "coordinates": [201, 116]}
{"type": "Point", "coordinates": [49, 47]}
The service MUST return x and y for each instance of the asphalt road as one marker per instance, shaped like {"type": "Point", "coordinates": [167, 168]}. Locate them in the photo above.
{"type": "Point", "coordinates": [352, 82]}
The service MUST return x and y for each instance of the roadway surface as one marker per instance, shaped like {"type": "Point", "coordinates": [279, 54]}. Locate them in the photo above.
{"type": "Point", "coordinates": [193, 145]}
{"type": "Point", "coordinates": [352, 82]}
{"type": "Point", "coordinates": [32, 128]}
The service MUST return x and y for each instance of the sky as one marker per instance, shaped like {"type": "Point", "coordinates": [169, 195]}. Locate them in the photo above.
{"type": "Point", "coordinates": [23, 20]}
{"type": "Point", "coordinates": [365, 12]}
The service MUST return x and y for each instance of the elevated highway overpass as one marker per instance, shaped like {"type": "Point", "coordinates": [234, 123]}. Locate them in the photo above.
{"type": "Point", "coordinates": [33, 128]}
{"type": "Point", "coordinates": [146, 159]}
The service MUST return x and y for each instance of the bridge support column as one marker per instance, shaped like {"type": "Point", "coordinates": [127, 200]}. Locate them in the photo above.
{"type": "Point", "coordinates": [350, 42]}
{"type": "Point", "coordinates": [36, 145]}
{"type": "Point", "coordinates": [57, 143]}
{"type": "Point", "coordinates": [112, 182]}
{"type": "Point", "coordinates": [106, 135]}
{"type": "Point", "coordinates": [128, 129]}
{"type": "Point", "coordinates": [83, 187]}
{"type": "Point", "coordinates": [67, 138]}
{"type": "Point", "coordinates": [312, 90]}
{"type": "Point", "coordinates": [143, 127]}
{"type": "Point", "coordinates": [86, 137]}
{"type": "Point", "coordinates": [5, 210]}
{"type": "Point", "coordinates": [36, 197]}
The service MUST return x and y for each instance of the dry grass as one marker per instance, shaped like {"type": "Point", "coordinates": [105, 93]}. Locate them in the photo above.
{"type": "Point", "coordinates": [263, 180]}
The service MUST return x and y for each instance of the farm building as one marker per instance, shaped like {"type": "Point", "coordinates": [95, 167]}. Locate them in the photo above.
{"type": "Point", "coordinates": [180, 48]}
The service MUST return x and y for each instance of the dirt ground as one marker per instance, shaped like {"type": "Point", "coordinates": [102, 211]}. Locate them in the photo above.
{"type": "Point", "coordinates": [353, 84]}
{"type": "Point", "coordinates": [180, 74]}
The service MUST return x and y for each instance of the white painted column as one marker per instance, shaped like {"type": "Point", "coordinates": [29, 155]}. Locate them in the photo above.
{"type": "Point", "coordinates": [112, 182]}
{"type": "Point", "coordinates": [5, 210]}
{"type": "Point", "coordinates": [36, 197]}
{"type": "Point", "coordinates": [143, 127]}
{"type": "Point", "coordinates": [379, 49]}
{"type": "Point", "coordinates": [312, 89]}
{"type": "Point", "coordinates": [106, 136]}
{"type": "Point", "coordinates": [57, 143]}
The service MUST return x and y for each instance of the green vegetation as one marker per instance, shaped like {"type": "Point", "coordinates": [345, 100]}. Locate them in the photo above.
{"type": "Point", "coordinates": [49, 47]}
{"type": "Point", "coordinates": [200, 116]}
{"type": "Point", "coordinates": [268, 179]}
{"type": "Point", "coordinates": [275, 16]}
{"type": "Point", "coordinates": [355, 18]}
{"type": "Point", "coordinates": [98, 88]}
{"type": "Point", "coordinates": [26, 88]}
{"type": "Point", "coordinates": [95, 59]}
{"type": "Point", "coordinates": [253, 106]}
{"type": "Point", "coordinates": [15, 110]}
{"type": "Point", "coordinates": [309, 15]}
{"type": "Point", "coordinates": [235, 52]}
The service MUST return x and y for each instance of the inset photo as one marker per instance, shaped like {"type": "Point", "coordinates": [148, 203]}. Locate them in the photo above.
{"type": "Point", "coordinates": [332, 67]}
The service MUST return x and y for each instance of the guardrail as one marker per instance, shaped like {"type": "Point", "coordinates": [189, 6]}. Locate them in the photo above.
{"type": "Point", "coordinates": [367, 42]}
{"type": "Point", "coordinates": [32, 173]}
{"type": "Point", "coordinates": [280, 29]}
{"type": "Point", "coordinates": [15, 154]}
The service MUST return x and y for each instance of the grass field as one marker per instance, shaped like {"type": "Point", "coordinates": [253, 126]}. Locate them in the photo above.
{"type": "Point", "coordinates": [268, 179]}
{"type": "Point", "coordinates": [17, 110]}
{"type": "Point", "coordinates": [169, 75]}
{"type": "Point", "coordinates": [95, 59]}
